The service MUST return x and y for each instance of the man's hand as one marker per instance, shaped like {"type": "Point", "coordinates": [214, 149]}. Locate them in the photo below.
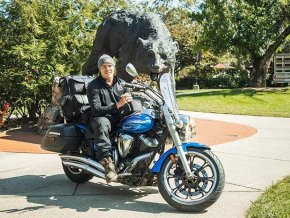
{"type": "Point", "coordinates": [125, 98]}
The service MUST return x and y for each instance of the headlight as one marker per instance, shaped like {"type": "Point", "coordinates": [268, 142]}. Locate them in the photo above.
{"type": "Point", "coordinates": [179, 123]}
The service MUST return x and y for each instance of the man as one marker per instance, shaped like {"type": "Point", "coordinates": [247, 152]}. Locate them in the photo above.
{"type": "Point", "coordinates": [106, 96]}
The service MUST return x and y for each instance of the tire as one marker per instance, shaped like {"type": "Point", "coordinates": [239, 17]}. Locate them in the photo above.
{"type": "Point", "coordinates": [76, 175]}
{"type": "Point", "coordinates": [192, 195]}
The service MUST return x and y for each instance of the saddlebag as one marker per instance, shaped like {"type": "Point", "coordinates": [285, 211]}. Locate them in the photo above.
{"type": "Point", "coordinates": [62, 138]}
{"type": "Point", "coordinates": [74, 101]}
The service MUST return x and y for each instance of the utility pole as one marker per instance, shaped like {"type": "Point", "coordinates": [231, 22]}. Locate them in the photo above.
{"type": "Point", "coordinates": [198, 59]}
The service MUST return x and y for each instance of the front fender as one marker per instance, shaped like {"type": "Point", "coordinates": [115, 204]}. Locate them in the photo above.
{"type": "Point", "coordinates": [157, 166]}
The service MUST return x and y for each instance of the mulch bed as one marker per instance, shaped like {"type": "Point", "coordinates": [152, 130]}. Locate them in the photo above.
{"type": "Point", "coordinates": [24, 138]}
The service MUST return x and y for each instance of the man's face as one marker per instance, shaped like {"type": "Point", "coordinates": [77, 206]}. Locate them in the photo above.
{"type": "Point", "coordinates": [107, 71]}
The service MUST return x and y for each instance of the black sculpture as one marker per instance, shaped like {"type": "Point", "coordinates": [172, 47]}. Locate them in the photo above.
{"type": "Point", "coordinates": [133, 37]}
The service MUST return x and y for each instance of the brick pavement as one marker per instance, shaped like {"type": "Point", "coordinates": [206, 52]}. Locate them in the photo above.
{"type": "Point", "coordinates": [209, 132]}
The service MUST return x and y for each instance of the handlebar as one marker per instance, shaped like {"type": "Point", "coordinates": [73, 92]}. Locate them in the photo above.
{"type": "Point", "coordinates": [132, 86]}
{"type": "Point", "coordinates": [151, 93]}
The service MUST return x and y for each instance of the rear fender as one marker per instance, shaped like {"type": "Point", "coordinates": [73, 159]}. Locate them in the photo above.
{"type": "Point", "coordinates": [157, 167]}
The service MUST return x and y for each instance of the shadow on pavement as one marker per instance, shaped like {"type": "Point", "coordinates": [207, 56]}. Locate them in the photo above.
{"type": "Point", "coordinates": [58, 191]}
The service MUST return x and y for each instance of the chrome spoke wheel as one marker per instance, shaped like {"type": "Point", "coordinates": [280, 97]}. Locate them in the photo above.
{"type": "Point", "coordinates": [193, 193]}
{"type": "Point", "coordinates": [187, 190]}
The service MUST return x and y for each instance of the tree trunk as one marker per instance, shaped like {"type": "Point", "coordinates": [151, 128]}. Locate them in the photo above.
{"type": "Point", "coordinates": [261, 63]}
{"type": "Point", "coordinates": [260, 71]}
{"type": "Point", "coordinates": [32, 111]}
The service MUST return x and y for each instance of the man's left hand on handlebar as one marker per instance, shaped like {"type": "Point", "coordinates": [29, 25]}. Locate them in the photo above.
{"type": "Point", "coordinates": [125, 98]}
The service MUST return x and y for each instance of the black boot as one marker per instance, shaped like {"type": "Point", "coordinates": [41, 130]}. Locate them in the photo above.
{"type": "Point", "coordinates": [110, 171]}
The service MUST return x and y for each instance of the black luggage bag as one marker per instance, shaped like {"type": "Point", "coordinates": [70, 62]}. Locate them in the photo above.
{"type": "Point", "coordinates": [62, 138]}
{"type": "Point", "coordinates": [74, 101]}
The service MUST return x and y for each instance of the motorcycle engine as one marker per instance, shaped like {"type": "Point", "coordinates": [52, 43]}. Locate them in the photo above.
{"type": "Point", "coordinates": [128, 144]}
{"type": "Point", "coordinates": [125, 144]}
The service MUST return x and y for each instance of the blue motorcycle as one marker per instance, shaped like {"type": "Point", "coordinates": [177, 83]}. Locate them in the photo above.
{"type": "Point", "coordinates": [189, 176]}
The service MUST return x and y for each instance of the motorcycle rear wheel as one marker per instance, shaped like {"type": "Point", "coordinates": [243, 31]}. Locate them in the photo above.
{"type": "Point", "coordinates": [198, 193]}
{"type": "Point", "coordinates": [76, 175]}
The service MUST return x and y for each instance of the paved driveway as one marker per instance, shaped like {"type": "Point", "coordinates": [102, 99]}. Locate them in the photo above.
{"type": "Point", "coordinates": [33, 185]}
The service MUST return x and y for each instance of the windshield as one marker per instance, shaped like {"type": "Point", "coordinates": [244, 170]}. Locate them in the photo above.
{"type": "Point", "coordinates": [168, 94]}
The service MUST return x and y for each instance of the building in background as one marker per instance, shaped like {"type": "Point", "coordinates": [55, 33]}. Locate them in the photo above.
{"type": "Point", "coordinates": [281, 62]}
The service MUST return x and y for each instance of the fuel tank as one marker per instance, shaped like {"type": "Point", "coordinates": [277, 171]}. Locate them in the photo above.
{"type": "Point", "coordinates": [137, 123]}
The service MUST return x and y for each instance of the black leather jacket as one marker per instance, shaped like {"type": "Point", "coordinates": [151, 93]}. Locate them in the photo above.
{"type": "Point", "coordinates": [103, 98]}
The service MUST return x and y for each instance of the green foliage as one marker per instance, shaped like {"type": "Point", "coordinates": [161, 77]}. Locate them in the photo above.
{"type": "Point", "coordinates": [183, 32]}
{"type": "Point", "coordinates": [42, 38]}
{"type": "Point", "coordinates": [26, 89]}
{"type": "Point", "coordinates": [227, 79]}
{"type": "Point", "coordinates": [274, 202]}
{"type": "Point", "coordinates": [243, 26]}
{"type": "Point", "coordinates": [254, 29]}
{"type": "Point", "coordinates": [209, 78]}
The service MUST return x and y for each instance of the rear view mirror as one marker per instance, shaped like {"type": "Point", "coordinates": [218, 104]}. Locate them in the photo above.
{"type": "Point", "coordinates": [131, 70]}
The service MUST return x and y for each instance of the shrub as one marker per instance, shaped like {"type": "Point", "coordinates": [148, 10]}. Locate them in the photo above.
{"type": "Point", "coordinates": [212, 79]}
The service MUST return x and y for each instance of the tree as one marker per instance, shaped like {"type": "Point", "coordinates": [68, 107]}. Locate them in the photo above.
{"type": "Point", "coordinates": [254, 28]}
{"type": "Point", "coordinates": [183, 32]}
{"type": "Point", "coordinates": [41, 38]}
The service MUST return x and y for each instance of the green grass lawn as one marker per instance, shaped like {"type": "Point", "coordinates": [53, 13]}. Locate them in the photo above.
{"type": "Point", "coordinates": [274, 202]}
{"type": "Point", "coordinates": [263, 102]}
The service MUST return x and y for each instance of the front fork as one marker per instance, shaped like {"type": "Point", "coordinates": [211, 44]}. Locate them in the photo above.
{"type": "Point", "coordinates": [177, 143]}
{"type": "Point", "coordinates": [182, 155]}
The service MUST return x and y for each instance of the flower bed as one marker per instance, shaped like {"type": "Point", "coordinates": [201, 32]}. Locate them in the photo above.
{"type": "Point", "coordinates": [4, 108]}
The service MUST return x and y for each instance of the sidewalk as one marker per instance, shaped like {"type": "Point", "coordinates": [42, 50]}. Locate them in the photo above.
{"type": "Point", "coordinates": [33, 185]}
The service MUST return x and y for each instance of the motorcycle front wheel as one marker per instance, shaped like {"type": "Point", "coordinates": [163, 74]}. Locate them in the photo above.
{"type": "Point", "coordinates": [76, 175]}
{"type": "Point", "coordinates": [192, 194]}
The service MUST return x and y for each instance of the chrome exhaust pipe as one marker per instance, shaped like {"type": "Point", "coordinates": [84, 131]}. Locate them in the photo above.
{"type": "Point", "coordinates": [95, 168]}
{"type": "Point", "coordinates": [85, 167]}
{"type": "Point", "coordinates": [83, 160]}
{"type": "Point", "coordinates": [84, 163]}
{"type": "Point", "coordinates": [136, 160]}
